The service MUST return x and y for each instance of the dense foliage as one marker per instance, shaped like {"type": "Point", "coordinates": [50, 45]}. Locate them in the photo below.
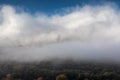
{"type": "Point", "coordinates": [64, 70]}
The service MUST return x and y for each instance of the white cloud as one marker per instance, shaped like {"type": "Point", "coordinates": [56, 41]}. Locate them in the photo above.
{"type": "Point", "coordinates": [93, 24]}
{"type": "Point", "coordinates": [87, 26]}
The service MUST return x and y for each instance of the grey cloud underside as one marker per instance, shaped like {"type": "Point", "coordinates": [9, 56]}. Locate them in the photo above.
{"type": "Point", "coordinates": [82, 33]}
{"type": "Point", "coordinates": [61, 51]}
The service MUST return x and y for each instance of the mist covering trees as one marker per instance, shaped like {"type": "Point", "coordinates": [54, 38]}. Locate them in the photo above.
{"type": "Point", "coordinates": [67, 70]}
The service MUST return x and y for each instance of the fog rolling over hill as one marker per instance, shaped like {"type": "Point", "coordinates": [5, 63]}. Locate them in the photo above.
{"type": "Point", "coordinates": [80, 33]}
{"type": "Point", "coordinates": [61, 51]}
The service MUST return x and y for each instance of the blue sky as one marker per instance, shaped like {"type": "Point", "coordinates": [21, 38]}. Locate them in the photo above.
{"type": "Point", "coordinates": [52, 6]}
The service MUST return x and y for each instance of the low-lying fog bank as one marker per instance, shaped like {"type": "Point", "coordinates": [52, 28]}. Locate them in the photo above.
{"type": "Point", "coordinates": [61, 51]}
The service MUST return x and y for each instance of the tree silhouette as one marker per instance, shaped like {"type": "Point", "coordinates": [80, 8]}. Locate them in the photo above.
{"type": "Point", "coordinates": [9, 77]}
{"type": "Point", "coordinates": [40, 78]}
{"type": "Point", "coordinates": [61, 77]}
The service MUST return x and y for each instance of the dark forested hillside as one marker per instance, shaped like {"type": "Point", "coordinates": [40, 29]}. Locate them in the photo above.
{"type": "Point", "coordinates": [64, 70]}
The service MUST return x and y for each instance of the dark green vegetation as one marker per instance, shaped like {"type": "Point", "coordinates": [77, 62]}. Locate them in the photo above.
{"type": "Point", "coordinates": [64, 70]}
